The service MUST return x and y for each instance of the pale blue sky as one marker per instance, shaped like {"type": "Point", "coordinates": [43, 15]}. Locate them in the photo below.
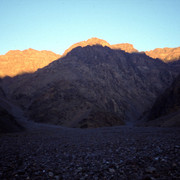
{"type": "Point", "coordinates": [56, 24]}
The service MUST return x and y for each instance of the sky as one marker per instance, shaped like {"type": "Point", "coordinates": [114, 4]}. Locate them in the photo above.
{"type": "Point", "coordinates": [57, 24]}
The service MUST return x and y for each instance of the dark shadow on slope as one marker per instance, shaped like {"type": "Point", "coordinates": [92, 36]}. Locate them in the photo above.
{"type": "Point", "coordinates": [93, 80]}
{"type": "Point", "coordinates": [8, 123]}
{"type": "Point", "coordinates": [166, 109]}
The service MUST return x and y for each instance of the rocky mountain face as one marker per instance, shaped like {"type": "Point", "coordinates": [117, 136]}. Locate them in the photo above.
{"type": "Point", "coordinates": [8, 123]}
{"type": "Point", "coordinates": [17, 62]}
{"type": "Point", "coordinates": [91, 86]}
{"type": "Point", "coordinates": [175, 65]}
{"type": "Point", "coordinates": [129, 48]}
{"type": "Point", "coordinates": [94, 84]}
{"type": "Point", "coordinates": [166, 109]}
{"type": "Point", "coordinates": [165, 54]}
{"type": "Point", "coordinates": [96, 41]}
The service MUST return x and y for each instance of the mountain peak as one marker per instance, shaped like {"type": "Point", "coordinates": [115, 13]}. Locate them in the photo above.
{"type": "Point", "coordinates": [18, 52]}
{"type": "Point", "coordinates": [125, 47]}
{"type": "Point", "coordinates": [96, 41]}
{"type": "Point", "coordinates": [16, 62]}
{"type": "Point", "coordinates": [90, 42]}
{"type": "Point", "coordinates": [165, 54]}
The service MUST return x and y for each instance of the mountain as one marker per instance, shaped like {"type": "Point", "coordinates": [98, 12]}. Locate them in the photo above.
{"type": "Point", "coordinates": [17, 62]}
{"type": "Point", "coordinates": [165, 54]}
{"type": "Point", "coordinates": [92, 86]}
{"type": "Point", "coordinates": [166, 109]}
{"type": "Point", "coordinates": [96, 41]}
{"type": "Point", "coordinates": [129, 48]}
{"type": "Point", "coordinates": [8, 123]}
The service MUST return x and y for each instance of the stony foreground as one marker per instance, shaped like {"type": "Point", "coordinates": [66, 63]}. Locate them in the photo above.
{"type": "Point", "coordinates": [103, 153]}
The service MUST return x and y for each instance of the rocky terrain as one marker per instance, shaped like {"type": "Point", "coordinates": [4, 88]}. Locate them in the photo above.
{"type": "Point", "coordinates": [17, 62]}
{"type": "Point", "coordinates": [96, 41]}
{"type": "Point", "coordinates": [166, 109]}
{"type": "Point", "coordinates": [102, 153]}
{"type": "Point", "coordinates": [8, 123]}
{"type": "Point", "coordinates": [54, 152]}
{"type": "Point", "coordinates": [94, 84]}
{"type": "Point", "coordinates": [129, 48]}
{"type": "Point", "coordinates": [91, 86]}
{"type": "Point", "coordinates": [165, 54]}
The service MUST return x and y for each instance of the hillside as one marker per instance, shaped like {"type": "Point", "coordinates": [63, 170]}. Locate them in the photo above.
{"type": "Point", "coordinates": [96, 41]}
{"type": "Point", "coordinates": [91, 86]}
{"type": "Point", "coordinates": [17, 62]}
{"type": "Point", "coordinates": [94, 84]}
{"type": "Point", "coordinates": [166, 109]}
{"type": "Point", "coordinates": [165, 54]}
{"type": "Point", "coordinates": [8, 123]}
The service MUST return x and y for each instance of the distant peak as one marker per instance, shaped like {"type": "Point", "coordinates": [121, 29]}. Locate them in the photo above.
{"type": "Point", "coordinates": [27, 51]}
{"type": "Point", "coordinates": [30, 49]}
{"type": "Point", "coordinates": [166, 54]}
{"type": "Point", "coordinates": [16, 62]}
{"type": "Point", "coordinates": [14, 52]}
{"type": "Point", "coordinates": [96, 41]}
{"type": "Point", "coordinates": [125, 47]}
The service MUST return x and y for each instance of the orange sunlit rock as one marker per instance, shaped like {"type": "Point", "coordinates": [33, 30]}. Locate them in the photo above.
{"type": "Point", "coordinates": [17, 62]}
{"type": "Point", "coordinates": [125, 47]}
{"type": "Point", "coordinates": [96, 41]}
{"type": "Point", "coordinates": [166, 54]}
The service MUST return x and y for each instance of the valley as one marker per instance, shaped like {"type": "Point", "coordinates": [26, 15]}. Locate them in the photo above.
{"type": "Point", "coordinates": [102, 153]}
{"type": "Point", "coordinates": [99, 111]}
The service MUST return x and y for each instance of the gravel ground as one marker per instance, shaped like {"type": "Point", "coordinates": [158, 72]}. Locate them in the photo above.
{"type": "Point", "coordinates": [51, 152]}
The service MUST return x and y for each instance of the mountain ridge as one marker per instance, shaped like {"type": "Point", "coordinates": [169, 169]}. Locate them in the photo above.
{"type": "Point", "coordinates": [16, 62]}
{"type": "Point", "coordinates": [166, 54]}
{"type": "Point", "coordinates": [96, 41]}
{"type": "Point", "coordinates": [91, 86]}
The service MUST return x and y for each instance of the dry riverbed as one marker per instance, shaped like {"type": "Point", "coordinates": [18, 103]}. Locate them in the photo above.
{"type": "Point", "coordinates": [51, 152]}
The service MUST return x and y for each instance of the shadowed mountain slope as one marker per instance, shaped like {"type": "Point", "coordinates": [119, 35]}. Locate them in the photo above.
{"type": "Point", "coordinates": [17, 62]}
{"type": "Point", "coordinates": [8, 123]}
{"type": "Point", "coordinates": [165, 54]}
{"type": "Point", "coordinates": [166, 109]}
{"type": "Point", "coordinates": [91, 86]}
